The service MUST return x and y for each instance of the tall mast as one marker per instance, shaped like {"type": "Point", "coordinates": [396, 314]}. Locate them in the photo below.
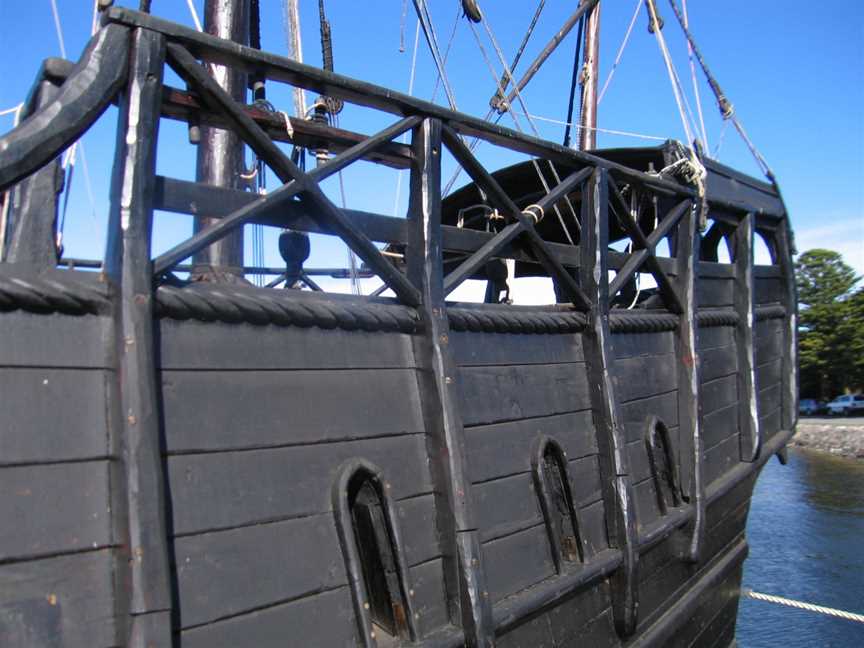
{"type": "Point", "coordinates": [590, 73]}
{"type": "Point", "coordinates": [221, 157]}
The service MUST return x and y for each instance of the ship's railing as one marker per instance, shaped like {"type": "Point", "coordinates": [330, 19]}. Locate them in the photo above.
{"type": "Point", "coordinates": [606, 193]}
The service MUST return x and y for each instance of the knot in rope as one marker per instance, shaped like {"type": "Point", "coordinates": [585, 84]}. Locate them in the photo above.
{"type": "Point", "coordinates": [690, 169]}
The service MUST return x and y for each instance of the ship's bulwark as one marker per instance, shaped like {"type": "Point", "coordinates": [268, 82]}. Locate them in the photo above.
{"type": "Point", "coordinates": [225, 465]}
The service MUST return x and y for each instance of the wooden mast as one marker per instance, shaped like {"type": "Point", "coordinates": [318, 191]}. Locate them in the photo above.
{"type": "Point", "coordinates": [220, 152]}
{"type": "Point", "coordinates": [590, 73]}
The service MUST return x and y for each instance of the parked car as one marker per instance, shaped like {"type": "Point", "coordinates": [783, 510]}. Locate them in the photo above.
{"type": "Point", "coordinates": [810, 407]}
{"type": "Point", "coordinates": [846, 405]}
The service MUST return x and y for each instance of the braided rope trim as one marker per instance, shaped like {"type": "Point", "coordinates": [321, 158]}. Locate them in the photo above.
{"type": "Point", "coordinates": [634, 321]}
{"type": "Point", "coordinates": [516, 321]}
{"type": "Point", "coordinates": [51, 293]}
{"type": "Point", "coordinates": [717, 317]}
{"type": "Point", "coordinates": [232, 304]}
{"type": "Point", "coordinates": [773, 311]}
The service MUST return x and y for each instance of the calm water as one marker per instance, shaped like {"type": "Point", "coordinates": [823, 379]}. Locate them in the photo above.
{"type": "Point", "coordinates": [806, 535]}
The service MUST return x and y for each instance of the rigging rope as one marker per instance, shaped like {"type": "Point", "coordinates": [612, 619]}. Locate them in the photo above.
{"type": "Point", "coordinates": [410, 92]}
{"type": "Point", "coordinates": [574, 80]}
{"type": "Point", "coordinates": [695, 84]}
{"type": "Point", "coordinates": [447, 51]}
{"type": "Point", "coordinates": [432, 41]}
{"type": "Point", "coordinates": [194, 13]}
{"type": "Point", "coordinates": [801, 605]}
{"type": "Point", "coordinates": [594, 128]}
{"type": "Point", "coordinates": [505, 81]}
{"type": "Point", "coordinates": [620, 52]}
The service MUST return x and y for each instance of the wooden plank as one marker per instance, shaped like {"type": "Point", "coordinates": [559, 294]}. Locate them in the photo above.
{"type": "Point", "coordinates": [429, 598]}
{"type": "Point", "coordinates": [505, 506]}
{"type": "Point", "coordinates": [43, 340]}
{"type": "Point", "coordinates": [54, 509]}
{"type": "Point", "coordinates": [769, 374]}
{"type": "Point", "coordinates": [715, 336]}
{"type": "Point", "coordinates": [517, 561]}
{"type": "Point", "coordinates": [534, 632]}
{"type": "Point", "coordinates": [598, 632]}
{"type": "Point", "coordinates": [474, 349]}
{"type": "Point", "coordinates": [230, 572]}
{"type": "Point", "coordinates": [570, 619]}
{"type": "Point", "coordinates": [65, 601]}
{"type": "Point", "coordinates": [249, 409]}
{"type": "Point", "coordinates": [719, 425]}
{"type": "Point", "coordinates": [768, 398]}
{"type": "Point", "coordinates": [769, 290]}
{"type": "Point", "coordinates": [36, 406]}
{"type": "Point", "coordinates": [586, 480]}
{"type": "Point", "coordinates": [325, 619]}
{"type": "Point", "coordinates": [505, 448]}
{"type": "Point", "coordinates": [218, 345]}
{"type": "Point", "coordinates": [631, 345]}
{"type": "Point", "coordinates": [771, 422]}
{"type": "Point", "coordinates": [719, 393]}
{"type": "Point", "coordinates": [645, 497]}
{"type": "Point", "coordinates": [419, 536]}
{"type": "Point", "coordinates": [748, 426]}
{"type": "Point", "coordinates": [714, 292]}
{"type": "Point", "coordinates": [503, 393]}
{"type": "Point", "coordinates": [637, 412]}
{"type": "Point", "coordinates": [718, 362]}
{"type": "Point", "coordinates": [592, 529]}
{"type": "Point", "coordinates": [229, 489]}
{"type": "Point", "coordinates": [645, 376]}
{"type": "Point", "coordinates": [640, 467]}
{"type": "Point", "coordinates": [721, 458]}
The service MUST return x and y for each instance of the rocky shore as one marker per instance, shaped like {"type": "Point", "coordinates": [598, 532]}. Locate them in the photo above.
{"type": "Point", "coordinates": [844, 439]}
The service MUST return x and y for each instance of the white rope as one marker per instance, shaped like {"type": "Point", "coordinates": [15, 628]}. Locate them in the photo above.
{"type": "Point", "coordinates": [801, 605]}
{"type": "Point", "coordinates": [620, 51]}
{"type": "Point", "coordinates": [194, 13]}
{"type": "Point", "coordinates": [94, 21]}
{"type": "Point", "coordinates": [13, 109]}
{"type": "Point", "coordinates": [695, 84]}
{"type": "Point", "coordinates": [435, 50]}
{"type": "Point", "coordinates": [58, 28]}
{"type": "Point", "coordinates": [594, 128]}
{"type": "Point", "coordinates": [722, 137]}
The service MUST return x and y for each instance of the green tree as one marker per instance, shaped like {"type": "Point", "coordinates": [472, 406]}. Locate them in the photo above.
{"type": "Point", "coordinates": [831, 334]}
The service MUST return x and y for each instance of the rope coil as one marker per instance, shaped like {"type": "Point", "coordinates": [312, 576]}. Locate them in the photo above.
{"type": "Point", "coordinates": [534, 211]}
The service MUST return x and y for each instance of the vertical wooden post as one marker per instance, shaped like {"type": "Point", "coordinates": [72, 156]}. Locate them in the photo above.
{"type": "Point", "coordinates": [789, 381]}
{"type": "Point", "coordinates": [468, 600]}
{"type": "Point", "coordinates": [690, 428]}
{"type": "Point", "coordinates": [748, 415]}
{"type": "Point", "coordinates": [128, 265]}
{"type": "Point", "coordinates": [617, 488]}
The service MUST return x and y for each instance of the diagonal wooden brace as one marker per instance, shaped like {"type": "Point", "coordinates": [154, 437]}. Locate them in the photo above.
{"type": "Point", "coordinates": [325, 211]}
{"type": "Point", "coordinates": [637, 258]}
{"type": "Point", "coordinates": [667, 290]}
{"type": "Point", "coordinates": [502, 202]}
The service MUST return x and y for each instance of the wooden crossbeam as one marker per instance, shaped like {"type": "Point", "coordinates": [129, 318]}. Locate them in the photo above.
{"type": "Point", "coordinates": [188, 68]}
{"type": "Point", "coordinates": [502, 202]}
{"type": "Point", "coordinates": [637, 258]}
{"type": "Point", "coordinates": [509, 233]}
{"type": "Point", "coordinates": [664, 284]}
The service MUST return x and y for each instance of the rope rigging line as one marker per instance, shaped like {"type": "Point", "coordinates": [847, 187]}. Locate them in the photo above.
{"type": "Point", "coordinates": [574, 80]}
{"type": "Point", "coordinates": [410, 92]}
{"type": "Point", "coordinates": [620, 53]}
{"type": "Point", "coordinates": [508, 72]}
{"type": "Point", "coordinates": [609, 131]}
{"type": "Point", "coordinates": [447, 51]}
{"type": "Point", "coordinates": [194, 13]}
{"type": "Point", "coordinates": [695, 84]}
{"type": "Point", "coordinates": [801, 605]}
{"type": "Point", "coordinates": [505, 80]}
{"type": "Point", "coordinates": [432, 41]}
{"type": "Point", "coordinates": [727, 110]}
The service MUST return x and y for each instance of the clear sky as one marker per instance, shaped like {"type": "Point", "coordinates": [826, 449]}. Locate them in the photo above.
{"type": "Point", "coordinates": [793, 69]}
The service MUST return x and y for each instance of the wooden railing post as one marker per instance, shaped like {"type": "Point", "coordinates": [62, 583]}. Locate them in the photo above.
{"type": "Point", "coordinates": [789, 381]}
{"type": "Point", "coordinates": [468, 600]}
{"type": "Point", "coordinates": [748, 415]}
{"type": "Point", "coordinates": [690, 428]}
{"type": "Point", "coordinates": [128, 264]}
{"type": "Point", "coordinates": [616, 484]}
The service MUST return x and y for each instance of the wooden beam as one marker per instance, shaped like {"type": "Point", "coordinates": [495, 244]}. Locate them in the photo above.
{"type": "Point", "coordinates": [128, 265]}
{"type": "Point", "coordinates": [501, 201]}
{"type": "Point", "coordinates": [748, 414]}
{"type": "Point", "coordinates": [187, 67]}
{"type": "Point", "coordinates": [597, 340]}
{"type": "Point", "coordinates": [664, 284]}
{"type": "Point", "coordinates": [789, 381]}
{"type": "Point", "coordinates": [468, 602]}
{"type": "Point", "coordinates": [690, 426]}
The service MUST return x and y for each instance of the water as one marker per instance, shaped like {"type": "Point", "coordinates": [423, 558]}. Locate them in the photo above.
{"type": "Point", "coordinates": [806, 535]}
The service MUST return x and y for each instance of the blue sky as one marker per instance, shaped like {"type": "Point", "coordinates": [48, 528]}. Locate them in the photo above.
{"type": "Point", "coordinates": [794, 73]}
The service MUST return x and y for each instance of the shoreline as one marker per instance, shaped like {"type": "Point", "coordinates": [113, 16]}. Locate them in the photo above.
{"type": "Point", "coordinates": [845, 440]}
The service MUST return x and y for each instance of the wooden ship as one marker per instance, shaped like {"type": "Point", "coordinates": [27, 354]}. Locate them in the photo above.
{"type": "Point", "coordinates": [213, 463]}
